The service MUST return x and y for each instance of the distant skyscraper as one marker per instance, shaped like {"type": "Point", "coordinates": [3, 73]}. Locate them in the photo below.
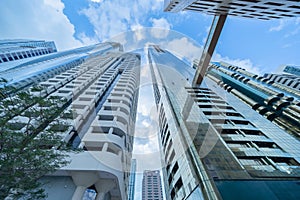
{"type": "Point", "coordinates": [292, 70]}
{"type": "Point", "coordinates": [98, 86]}
{"type": "Point", "coordinates": [216, 146]}
{"type": "Point", "coordinates": [132, 180]}
{"type": "Point", "coordinates": [152, 188]}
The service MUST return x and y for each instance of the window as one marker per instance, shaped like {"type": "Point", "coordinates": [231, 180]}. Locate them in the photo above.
{"type": "Point", "coordinates": [106, 117]}
{"type": "Point", "coordinates": [15, 56]}
{"type": "Point", "coordinates": [9, 57]}
{"type": "Point", "coordinates": [99, 129]}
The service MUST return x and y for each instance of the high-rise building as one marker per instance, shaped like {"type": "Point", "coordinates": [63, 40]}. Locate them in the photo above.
{"type": "Point", "coordinates": [132, 180]}
{"type": "Point", "coordinates": [256, 9]}
{"type": "Point", "coordinates": [292, 69]}
{"type": "Point", "coordinates": [152, 188]}
{"type": "Point", "coordinates": [289, 78]}
{"type": "Point", "coordinates": [98, 86]}
{"type": "Point", "coordinates": [214, 144]}
{"type": "Point", "coordinates": [259, 9]}
{"type": "Point", "coordinates": [269, 95]}
{"type": "Point", "coordinates": [30, 70]}
{"type": "Point", "coordinates": [20, 50]}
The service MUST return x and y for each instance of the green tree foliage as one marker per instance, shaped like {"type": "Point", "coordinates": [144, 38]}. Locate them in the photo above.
{"type": "Point", "coordinates": [30, 145]}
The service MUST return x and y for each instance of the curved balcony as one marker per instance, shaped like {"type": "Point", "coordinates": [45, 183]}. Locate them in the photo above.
{"type": "Point", "coordinates": [98, 169]}
{"type": "Point", "coordinates": [120, 128]}
{"type": "Point", "coordinates": [119, 105]}
{"type": "Point", "coordinates": [114, 113]}
{"type": "Point", "coordinates": [95, 140]}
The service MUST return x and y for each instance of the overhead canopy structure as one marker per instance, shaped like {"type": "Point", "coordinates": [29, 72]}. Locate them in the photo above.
{"type": "Point", "coordinates": [257, 9]}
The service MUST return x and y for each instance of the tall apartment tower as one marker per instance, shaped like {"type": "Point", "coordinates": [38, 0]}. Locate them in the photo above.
{"type": "Point", "coordinates": [98, 86]}
{"type": "Point", "coordinates": [214, 144]}
{"type": "Point", "coordinates": [152, 188]}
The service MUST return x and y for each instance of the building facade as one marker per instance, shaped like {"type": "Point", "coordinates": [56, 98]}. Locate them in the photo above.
{"type": "Point", "coordinates": [16, 50]}
{"type": "Point", "coordinates": [214, 145]}
{"type": "Point", "coordinates": [258, 9]}
{"type": "Point", "coordinates": [98, 88]}
{"type": "Point", "coordinates": [25, 72]}
{"type": "Point", "coordinates": [269, 95]}
{"type": "Point", "coordinates": [152, 188]}
{"type": "Point", "coordinates": [289, 78]}
{"type": "Point", "coordinates": [132, 180]}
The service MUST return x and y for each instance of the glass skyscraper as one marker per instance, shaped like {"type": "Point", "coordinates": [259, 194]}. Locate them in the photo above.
{"type": "Point", "coordinates": [290, 77]}
{"type": "Point", "coordinates": [98, 89]}
{"type": "Point", "coordinates": [215, 144]}
{"type": "Point", "coordinates": [132, 180]}
{"type": "Point", "coordinates": [273, 96]}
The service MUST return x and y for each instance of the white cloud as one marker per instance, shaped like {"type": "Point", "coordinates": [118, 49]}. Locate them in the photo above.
{"type": "Point", "coordinates": [243, 63]}
{"type": "Point", "coordinates": [145, 123]}
{"type": "Point", "coordinates": [113, 17]}
{"type": "Point", "coordinates": [161, 27]}
{"type": "Point", "coordinates": [279, 27]}
{"type": "Point", "coordinates": [188, 49]}
{"type": "Point", "coordinates": [97, 1]}
{"type": "Point", "coordinates": [146, 102]}
{"type": "Point", "coordinates": [286, 23]}
{"type": "Point", "coordinates": [146, 147]}
{"type": "Point", "coordinates": [184, 48]}
{"type": "Point", "coordinates": [108, 18]}
{"type": "Point", "coordinates": [36, 19]}
{"type": "Point", "coordinates": [139, 32]}
{"type": "Point", "coordinates": [87, 40]}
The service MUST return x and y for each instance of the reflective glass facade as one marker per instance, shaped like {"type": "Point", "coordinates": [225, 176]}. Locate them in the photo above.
{"type": "Point", "coordinates": [213, 143]}
{"type": "Point", "coordinates": [290, 78]}
{"type": "Point", "coordinates": [131, 185]}
{"type": "Point", "coordinates": [268, 94]}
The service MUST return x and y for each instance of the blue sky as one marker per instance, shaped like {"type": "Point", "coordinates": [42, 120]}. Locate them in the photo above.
{"type": "Point", "coordinates": [255, 44]}
{"type": "Point", "coordinates": [259, 46]}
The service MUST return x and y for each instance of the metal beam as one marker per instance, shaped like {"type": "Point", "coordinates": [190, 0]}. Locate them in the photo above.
{"type": "Point", "coordinates": [209, 47]}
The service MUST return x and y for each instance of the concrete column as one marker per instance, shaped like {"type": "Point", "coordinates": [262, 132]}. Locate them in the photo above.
{"type": "Point", "coordinates": [100, 196]}
{"type": "Point", "coordinates": [82, 180]}
{"type": "Point", "coordinates": [115, 118]}
{"type": "Point", "coordinates": [79, 192]}
{"type": "Point", "coordinates": [103, 186]}
{"type": "Point", "coordinates": [120, 154]}
{"type": "Point", "coordinates": [111, 129]}
{"type": "Point", "coordinates": [105, 146]}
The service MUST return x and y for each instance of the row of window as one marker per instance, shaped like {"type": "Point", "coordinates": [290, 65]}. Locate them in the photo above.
{"type": "Point", "coordinates": [24, 54]}
{"type": "Point", "coordinates": [169, 153]}
{"type": "Point", "coordinates": [264, 146]}
{"type": "Point", "coordinates": [291, 81]}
